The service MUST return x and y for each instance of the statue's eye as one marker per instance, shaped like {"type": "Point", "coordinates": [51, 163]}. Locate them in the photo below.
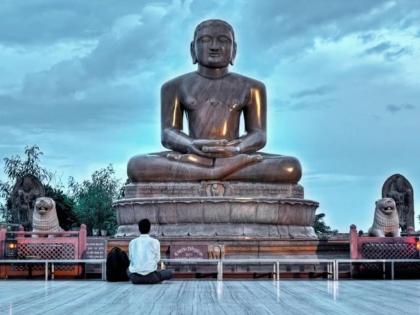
{"type": "Point", "coordinates": [223, 39]}
{"type": "Point", "coordinates": [205, 39]}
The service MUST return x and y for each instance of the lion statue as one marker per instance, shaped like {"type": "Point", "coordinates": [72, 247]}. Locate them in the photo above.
{"type": "Point", "coordinates": [385, 222]}
{"type": "Point", "coordinates": [45, 216]}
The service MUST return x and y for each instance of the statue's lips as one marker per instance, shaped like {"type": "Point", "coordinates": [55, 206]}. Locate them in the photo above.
{"type": "Point", "coordinates": [215, 54]}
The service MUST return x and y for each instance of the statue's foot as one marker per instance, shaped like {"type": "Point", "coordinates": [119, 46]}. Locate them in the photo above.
{"type": "Point", "coordinates": [225, 166]}
{"type": "Point", "coordinates": [190, 158]}
{"type": "Point", "coordinates": [173, 156]}
{"type": "Point", "coordinates": [257, 158]}
{"type": "Point", "coordinates": [270, 168]}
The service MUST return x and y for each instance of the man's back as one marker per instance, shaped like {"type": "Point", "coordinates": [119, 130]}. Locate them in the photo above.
{"type": "Point", "coordinates": [144, 254]}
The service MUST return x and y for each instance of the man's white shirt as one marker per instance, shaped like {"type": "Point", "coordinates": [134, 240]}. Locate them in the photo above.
{"type": "Point", "coordinates": [144, 254]}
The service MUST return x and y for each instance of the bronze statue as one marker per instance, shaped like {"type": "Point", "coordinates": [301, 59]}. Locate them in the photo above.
{"type": "Point", "coordinates": [213, 100]}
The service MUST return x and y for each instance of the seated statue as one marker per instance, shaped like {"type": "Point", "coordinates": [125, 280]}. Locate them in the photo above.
{"type": "Point", "coordinates": [213, 100]}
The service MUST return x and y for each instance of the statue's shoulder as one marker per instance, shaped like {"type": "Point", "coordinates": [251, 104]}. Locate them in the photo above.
{"type": "Point", "coordinates": [250, 82]}
{"type": "Point", "coordinates": [179, 80]}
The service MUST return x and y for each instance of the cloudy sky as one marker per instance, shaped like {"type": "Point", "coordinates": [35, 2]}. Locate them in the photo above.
{"type": "Point", "coordinates": [81, 79]}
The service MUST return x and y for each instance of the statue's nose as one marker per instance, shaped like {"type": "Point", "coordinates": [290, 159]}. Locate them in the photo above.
{"type": "Point", "coordinates": [214, 46]}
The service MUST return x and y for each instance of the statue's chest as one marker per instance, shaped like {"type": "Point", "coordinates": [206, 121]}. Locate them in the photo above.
{"type": "Point", "coordinates": [216, 98]}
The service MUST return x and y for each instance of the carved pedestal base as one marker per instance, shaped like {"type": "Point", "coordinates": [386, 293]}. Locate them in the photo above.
{"type": "Point", "coordinates": [217, 209]}
{"type": "Point", "coordinates": [227, 229]}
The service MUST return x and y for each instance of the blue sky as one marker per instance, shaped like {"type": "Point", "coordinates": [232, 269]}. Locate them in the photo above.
{"type": "Point", "coordinates": [81, 79]}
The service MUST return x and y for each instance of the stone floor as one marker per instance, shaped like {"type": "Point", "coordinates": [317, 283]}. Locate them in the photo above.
{"type": "Point", "coordinates": [211, 297]}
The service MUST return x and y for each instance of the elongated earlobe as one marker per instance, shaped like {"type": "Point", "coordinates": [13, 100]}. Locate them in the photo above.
{"type": "Point", "coordinates": [233, 54]}
{"type": "Point", "coordinates": [193, 55]}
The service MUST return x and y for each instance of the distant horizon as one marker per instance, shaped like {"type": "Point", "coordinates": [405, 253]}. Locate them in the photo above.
{"type": "Point", "coordinates": [82, 81]}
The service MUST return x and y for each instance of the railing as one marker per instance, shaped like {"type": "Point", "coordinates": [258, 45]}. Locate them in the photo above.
{"type": "Point", "coordinates": [75, 239]}
{"type": "Point", "coordinates": [369, 247]}
{"type": "Point", "coordinates": [47, 262]}
{"type": "Point", "coordinates": [43, 246]}
{"type": "Point", "coordinates": [383, 261]}
{"type": "Point", "coordinates": [275, 262]}
{"type": "Point", "coordinates": [332, 264]}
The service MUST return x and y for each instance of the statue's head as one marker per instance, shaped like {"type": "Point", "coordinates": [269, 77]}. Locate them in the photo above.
{"type": "Point", "coordinates": [43, 205]}
{"type": "Point", "coordinates": [214, 44]}
{"type": "Point", "coordinates": [386, 206]}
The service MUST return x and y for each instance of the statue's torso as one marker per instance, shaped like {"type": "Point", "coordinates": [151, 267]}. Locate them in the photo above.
{"type": "Point", "coordinates": [214, 106]}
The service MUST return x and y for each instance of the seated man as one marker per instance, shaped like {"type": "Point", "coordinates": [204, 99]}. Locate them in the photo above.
{"type": "Point", "coordinates": [144, 254]}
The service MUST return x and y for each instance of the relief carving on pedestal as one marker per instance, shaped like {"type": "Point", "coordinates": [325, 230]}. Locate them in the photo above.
{"type": "Point", "coordinates": [215, 189]}
{"type": "Point", "coordinates": [26, 190]}
{"type": "Point", "coordinates": [399, 188]}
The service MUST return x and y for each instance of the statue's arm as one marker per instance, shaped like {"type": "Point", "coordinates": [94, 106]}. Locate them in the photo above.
{"type": "Point", "coordinates": [255, 116]}
{"type": "Point", "coordinates": [171, 119]}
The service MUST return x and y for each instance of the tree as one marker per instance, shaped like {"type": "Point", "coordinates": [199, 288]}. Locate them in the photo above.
{"type": "Point", "coordinates": [321, 227]}
{"type": "Point", "coordinates": [16, 167]}
{"type": "Point", "coordinates": [94, 199]}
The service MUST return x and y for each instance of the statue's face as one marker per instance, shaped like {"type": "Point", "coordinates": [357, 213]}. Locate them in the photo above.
{"type": "Point", "coordinates": [386, 205]}
{"type": "Point", "coordinates": [43, 205]}
{"type": "Point", "coordinates": [214, 46]}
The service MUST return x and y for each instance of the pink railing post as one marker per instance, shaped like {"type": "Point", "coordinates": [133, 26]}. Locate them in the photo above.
{"type": "Point", "coordinates": [354, 253]}
{"type": "Point", "coordinates": [20, 232]}
{"type": "Point", "coordinates": [2, 241]}
{"type": "Point", "coordinates": [82, 240]}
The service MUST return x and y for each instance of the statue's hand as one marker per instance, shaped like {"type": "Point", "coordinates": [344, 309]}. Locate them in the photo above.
{"type": "Point", "coordinates": [222, 151]}
{"type": "Point", "coordinates": [196, 146]}
{"type": "Point", "coordinates": [199, 143]}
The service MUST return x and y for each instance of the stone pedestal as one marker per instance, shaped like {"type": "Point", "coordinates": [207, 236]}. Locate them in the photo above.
{"type": "Point", "coordinates": [217, 208]}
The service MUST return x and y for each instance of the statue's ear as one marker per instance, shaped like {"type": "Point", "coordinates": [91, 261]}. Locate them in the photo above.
{"type": "Point", "coordinates": [193, 54]}
{"type": "Point", "coordinates": [233, 53]}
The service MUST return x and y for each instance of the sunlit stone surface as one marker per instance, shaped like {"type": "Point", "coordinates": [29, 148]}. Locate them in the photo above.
{"type": "Point", "coordinates": [211, 297]}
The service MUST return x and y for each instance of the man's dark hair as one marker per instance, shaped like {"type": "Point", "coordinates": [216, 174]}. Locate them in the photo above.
{"type": "Point", "coordinates": [144, 226]}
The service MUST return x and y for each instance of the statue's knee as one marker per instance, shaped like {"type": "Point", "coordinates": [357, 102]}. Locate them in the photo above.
{"type": "Point", "coordinates": [291, 168]}
{"type": "Point", "coordinates": [135, 166]}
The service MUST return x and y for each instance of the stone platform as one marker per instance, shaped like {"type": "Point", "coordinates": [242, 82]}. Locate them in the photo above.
{"type": "Point", "coordinates": [211, 297]}
{"type": "Point", "coordinates": [215, 208]}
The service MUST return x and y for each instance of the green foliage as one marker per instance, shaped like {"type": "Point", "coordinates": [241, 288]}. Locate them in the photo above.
{"type": "Point", "coordinates": [64, 205]}
{"type": "Point", "coordinates": [16, 167]}
{"type": "Point", "coordinates": [94, 199]}
{"type": "Point", "coordinates": [90, 202]}
{"type": "Point", "coordinates": [321, 227]}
